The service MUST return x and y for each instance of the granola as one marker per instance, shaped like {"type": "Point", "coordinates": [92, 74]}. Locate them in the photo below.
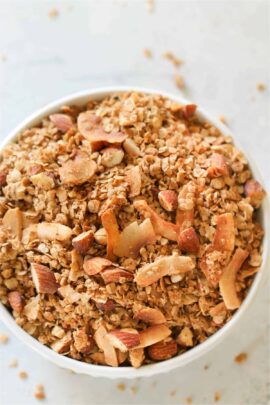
{"type": "Point", "coordinates": [128, 230]}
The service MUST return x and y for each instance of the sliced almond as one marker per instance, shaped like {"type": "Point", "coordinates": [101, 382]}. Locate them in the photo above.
{"type": "Point", "coordinates": [218, 166]}
{"type": "Point", "coordinates": [153, 334]}
{"type": "Point", "coordinates": [62, 346]}
{"type": "Point", "coordinates": [110, 225]}
{"type": "Point", "coordinates": [255, 192]}
{"type": "Point", "coordinates": [133, 238]}
{"type": "Point", "coordinates": [83, 242]}
{"type": "Point", "coordinates": [76, 266]}
{"type": "Point", "coordinates": [136, 357]}
{"type": "Point", "coordinates": [95, 265]}
{"type": "Point", "coordinates": [150, 315]}
{"type": "Point", "coordinates": [69, 294]}
{"type": "Point", "coordinates": [53, 231]}
{"type": "Point", "coordinates": [163, 266]}
{"type": "Point", "coordinates": [16, 301]}
{"type": "Point", "coordinates": [131, 148]}
{"type": "Point", "coordinates": [185, 337]}
{"type": "Point", "coordinates": [162, 350]}
{"type": "Point", "coordinates": [134, 180]}
{"type": "Point", "coordinates": [103, 343]}
{"type": "Point", "coordinates": [124, 339]}
{"type": "Point", "coordinates": [163, 228]}
{"type": "Point", "coordinates": [224, 238]}
{"type": "Point", "coordinates": [13, 220]}
{"type": "Point", "coordinates": [111, 157]}
{"type": "Point", "coordinates": [32, 308]}
{"type": "Point", "coordinates": [43, 180]}
{"type": "Point", "coordinates": [227, 281]}
{"type": "Point", "coordinates": [168, 200]}
{"type": "Point", "coordinates": [44, 279]}
{"type": "Point", "coordinates": [78, 170]}
{"type": "Point", "coordinates": [63, 122]}
{"type": "Point", "coordinates": [115, 275]}
{"type": "Point", "coordinates": [189, 241]}
{"type": "Point", "coordinates": [83, 342]}
{"type": "Point", "coordinates": [101, 236]}
{"type": "Point", "coordinates": [188, 110]}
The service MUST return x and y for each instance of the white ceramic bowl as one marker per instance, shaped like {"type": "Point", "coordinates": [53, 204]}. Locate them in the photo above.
{"type": "Point", "coordinates": [183, 359]}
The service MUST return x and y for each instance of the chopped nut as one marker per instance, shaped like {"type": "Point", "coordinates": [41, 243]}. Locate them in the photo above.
{"type": "Point", "coordinates": [111, 156]}
{"type": "Point", "coordinates": [78, 170]}
{"type": "Point", "coordinates": [110, 225]}
{"type": "Point", "coordinates": [95, 265]}
{"type": "Point", "coordinates": [103, 343]}
{"type": "Point", "coordinates": [224, 238]}
{"type": "Point", "coordinates": [13, 220]}
{"type": "Point", "coordinates": [107, 306]}
{"type": "Point", "coordinates": [3, 179]}
{"type": "Point", "coordinates": [63, 122]}
{"type": "Point", "coordinates": [83, 241]}
{"type": "Point", "coordinates": [101, 236]}
{"type": "Point", "coordinates": [162, 350]}
{"type": "Point", "coordinates": [131, 148]}
{"type": "Point", "coordinates": [185, 338]}
{"type": "Point", "coordinates": [218, 166]}
{"type": "Point", "coordinates": [43, 180]}
{"type": "Point", "coordinates": [53, 231]}
{"type": "Point", "coordinates": [31, 309]}
{"type": "Point", "coordinates": [133, 178]}
{"type": "Point", "coordinates": [115, 275]}
{"type": "Point", "coordinates": [62, 346]}
{"type": "Point", "coordinates": [189, 241]}
{"type": "Point", "coordinates": [83, 342]}
{"type": "Point", "coordinates": [16, 301]}
{"type": "Point", "coordinates": [168, 200]}
{"type": "Point", "coordinates": [124, 339]}
{"type": "Point", "coordinates": [44, 279]}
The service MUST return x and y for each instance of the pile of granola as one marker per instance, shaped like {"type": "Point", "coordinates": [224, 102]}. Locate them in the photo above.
{"type": "Point", "coordinates": [128, 230]}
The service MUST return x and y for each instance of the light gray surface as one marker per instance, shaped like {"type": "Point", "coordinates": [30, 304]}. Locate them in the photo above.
{"type": "Point", "coordinates": [225, 47]}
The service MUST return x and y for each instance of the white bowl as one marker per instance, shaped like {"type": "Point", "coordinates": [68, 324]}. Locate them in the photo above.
{"type": "Point", "coordinates": [187, 357]}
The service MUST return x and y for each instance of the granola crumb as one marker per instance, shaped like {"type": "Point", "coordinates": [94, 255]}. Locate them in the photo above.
{"type": "Point", "coordinates": [222, 119]}
{"type": "Point", "coordinates": [39, 392]}
{"type": "Point", "coordinates": [147, 53]}
{"type": "Point", "coordinates": [13, 363]}
{"type": "Point", "coordinates": [172, 393]}
{"type": "Point", "coordinates": [189, 400]}
{"type": "Point", "coordinates": [179, 81]}
{"type": "Point", "coordinates": [53, 13]}
{"type": "Point", "coordinates": [121, 387]}
{"type": "Point", "coordinates": [4, 339]}
{"type": "Point", "coordinates": [134, 389]}
{"type": "Point", "coordinates": [3, 57]}
{"type": "Point", "coordinates": [173, 59]}
{"type": "Point", "coordinates": [23, 375]}
{"type": "Point", "coordinates": [206, 367]}
{"type": "Point", "coordinates": [241, 358]}
{"type": "Point", "coordinates": [261, 87]}
{"type": "Point", "coordinates": [150, 5]}
{"type": "Point", "coordinates": [217, 396]}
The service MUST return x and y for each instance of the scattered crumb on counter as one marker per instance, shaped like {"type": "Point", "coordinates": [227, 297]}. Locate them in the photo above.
{"type": "Point", "coordinates": [261, 87]}
{"type": "Point", "coordinates": [172, 393]}
{"type": "Point", "coordinates": [121, 387]}
{"type": "Point", "coordinates": [188, 400]}
{"type": "Point", "coordinates": [134, 389]}
{"type": "Point", "coordinates": [13, 363]}
{"type": "Point", "coordinates": [206, 367]}
{"type": "Point", "coordinates": [39, 392]}
{"type": "Point", "coordinates": [150, 5]}
{"type": "Point", "coordinates": [147, 53]}
{"type": "Point", "coordinates": [241, 358]}
{"type": "Point", "coordinates": [3, 338]}
{"type": "Point", "coordinates": [222, 119]}
{"type": "Point", "coordinates": [172, 58]}
{"type": "Point", "coordinates": [217, 396]}
{"type": "Point", "coordinates": [179, 81]}
{"type": "Point", "coordinates": [71, 371]}
{"type": "Point", "coordinates": [23, 375]}
{"type": "Point", "coordinates": [3, 57]}
{"type": "Point", "coordinates": [53, 13]}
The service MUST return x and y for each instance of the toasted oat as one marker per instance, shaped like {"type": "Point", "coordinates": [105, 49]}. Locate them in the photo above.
{"type": "Point", "coordinates": [104, 344]}
{"type": "Point", "coordinates": [77, 170]}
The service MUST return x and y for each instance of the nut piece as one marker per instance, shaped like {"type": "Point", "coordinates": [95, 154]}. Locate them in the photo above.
{"type": "Point", "coordinates": [29, 234]}
{"type": "Point", "coordinates": [115, 275]}
{"type": "Point", "coordinates": [134, 180]}
{"type": "Point", "coordinates": [78, 170]}
{"type": "Point", "coordinates": [168, 200]}
{"type": "Point", "coordinates": [255, 192]}
{"type": "Point", "coordinates": [224, 238]}
{"type": "Point", "coordinates": [3, 179]}
{"type": "Point", "coordinates": [162, 350]}
{"type": "Point", "coordinates": [83, 342]}
{"type": "Point", "coordinates": [13, 220]}
{"type": "Point", "coordinates": [111, 157]}
{"type": "Point", "coordinates": [189, 241]}
{"type": "Point", "coordinates": [53, 231]}
{"type": "Point", "coordinates": [43, 180]}
{"type": "Point", "coordinates": [153, 334]}
{"type": "Point", "coordinates": [101, 236]}
{"type": "Point", "coordinates": [124, 339]}
{"type": "Point", "coordinates": [185, 337]}
{"type": "Point", "coordinates": [110, 225]}
{"type": "Point", "coordinates": [95, 265]}
{"type": "Point", "coordinates": [76, 266]}
{"type": "Point", "coordinates": [43, 279]}
{"type": "Point", "coordinates": [83, 242]}
{"type": "Point", "coordinates": [31, 309]}
{"type": "Point", "coordinates": [104, 344]}
{"type": "Point", "coordinates": [131, 148]}
{"type": "Point", "coordinates": [163, 266]}
{"type": "Point", "coordinates": [188, 110]}
{"type": "Point", "coordinates": [62, 346]}
{"type": "Point", "coordinates": [106, 306]}
{"type": "Point", "coordinates": [63, 122]}
{"type": "Point", "coordinates": [150, 315]}
{"type": "Point", "coordinates": [16, 301]}
{"type": "Point", "coordinates": [227, 281]}
{"type": "Point", "coordinates": [186, 203]}
{"type": "Point", "coordinates": [136, 357]}
{"type": "Point", "coordinates": [218, 166]}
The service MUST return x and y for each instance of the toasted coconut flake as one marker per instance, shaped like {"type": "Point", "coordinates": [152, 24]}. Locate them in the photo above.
{"type": "Point", "coordinates": [134, 237]}
{"type": "Point", "coordinates": [105, 345]}
{"type": "Point", "coordinates": [218, 166]}
{"type": "Point", "coordinates": [83, 242]}
{"type": "Point", "coordinates": [16, 301]}
{"type": "Point", "coordinates": [53, 231]}
{"type": "Point", "coordinates": [136, 357]}
{"type": "Point", "coordinates": [188, 110]}
{"type": "Point", "coordinates": [62, 346]}
{"type": "Point", "coordinates": [131, 148]}
{"type": "Point", "coordinates": [95, 265]}
{"type": "Point", "coordinates": [227, 281]}
{"type": "Point", "coordinates": [124, 339]}
{"type": "Point", "coordinates": [189, 241]}
{"type": "Point", "coordinates": [63, 122]}
{"type": "Point", "coordinates": [134, 180]}
{"type": "Point", "coordinates": [163, 228]}
{"type": "Point", "coordinates": [168, 200]}
{"type": "Point", "coordinates": [76, 266]}
{"type": "Point", "coordinates": [224, 238]}
{"type": "Point", "coordinates": [13, 220]}
{"type": "Point", "coordinates": [43, 279]}
{"type": "Point", "coordinates": [153, 334]}
{"type": "Point", "coordinates": [115, 275]}
{"type": "Point", "coordinates": [78, 170]}
{"type": "Point", "coordinates": [163, 266]}
{"type": "Point", "coordinates": [110, 225]}
{"type": "Point", "coordinates": [255, 192]}
{"type": "Point", "coordinates": [111, 156]}
{"type": "Point", "coordinates": [150, 315]}
{"type": "Point", "coordinates": [162, 350]}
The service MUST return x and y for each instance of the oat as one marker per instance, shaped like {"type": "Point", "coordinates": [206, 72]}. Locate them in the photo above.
{"type": "Point", "coordinates": [23, 375]}
{"type": "Point", "coordinates": [241, 358]}
{"type": "Point", "coordinates": [261, 87]}
{"type": "Point", "coordinates": [4, 339]}
{"type": "Point", "coordinates": [147, 53]}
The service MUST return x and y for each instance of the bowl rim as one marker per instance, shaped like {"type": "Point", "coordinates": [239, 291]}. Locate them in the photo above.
{"type": "Point", "coordinates": [181, 360]}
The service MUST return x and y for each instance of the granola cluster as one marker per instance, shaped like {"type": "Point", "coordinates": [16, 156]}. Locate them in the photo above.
{"type": "Point", "coordinates": [128, 230]}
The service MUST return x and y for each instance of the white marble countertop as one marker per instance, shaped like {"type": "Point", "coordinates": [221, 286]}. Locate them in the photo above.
{"type": "Point", "coordinates": [225, 48]}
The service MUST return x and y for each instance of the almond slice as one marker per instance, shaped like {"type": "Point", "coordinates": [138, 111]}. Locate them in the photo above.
{"type": "Point", "coordinates": [110, 225]}
{"type": "Point", "coordinates": [3, 179]}
{"type": "Point", "coordinates": [162, 350]}
{"type": "Point", "coordinates": [168, 200]}
{"type": "Point", "coordinates": [115, 274]}
{"type": "Point", "coordinates": [150, 315]}
{"type": "Point", "coordinates": [131, 148]}
{"type": "Point", "coordinates": [224, 238]}
{"type": "Point", "coordinates": [134, 180]}
{"type": "Point", "coordinates": [83, 342]}
{"type": "Point", "coordinates": [189, 241]}
{"type": "Point", "coordinates": [136, 357]}
{"type": "Point", "coordinates": [78, 170]}
{"type": "Point", "coordinates": [63, 122]}
{"type": "Point", "coordinates": [134, 237]}
{"type": "Point", "coordinates": [111, 156]}
{"type": "Point", "coordinates": [62, 346]}
{"type": "Point", "coordinates": [83, 242]}
{"type": "Point", "coordinates": [255, 192]}
{"type": "Point", "coordinates": [95, 265]}
{"type": "Point", "coordinates": [163, 228]}
{"type": "Point", "coordinates": [103, 343]}
{"type": "Point", "coordinates": [13, 220]}
{"type": "Point", "coordinates": [124, 339]}
{"type": "Point", "coordinates": [164, 266]}
{"type": "Point", "coordinates": [43, 279]}
{"type": "Point", "coordinates": [16, 301]}
{"type": "Point", "coordinates": [227, 281]}
{"type": "Point", "coordinates": [153, 334]}
{"type": "Point", "coordinates": [218, 166]}
{"type": "Point", "coordinates": [53, 231]}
